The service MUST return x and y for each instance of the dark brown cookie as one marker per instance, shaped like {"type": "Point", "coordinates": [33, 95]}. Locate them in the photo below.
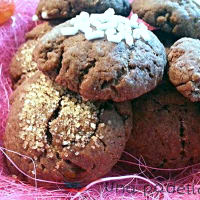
{"type": "Point", "coordinates": [99, 69]}
{"type": "Point", "coordinates": [166, 129]}
{"type": "Point", "coordinates": [22, 65]}
{"type": "Point", "coordinates": [184, 67]}
{"type": "Point", "coordinates": [70, 140]}
{"type": "Point", "coordinates": [180, 17]}
{"type": "Point", "coordinates": [62, 9]}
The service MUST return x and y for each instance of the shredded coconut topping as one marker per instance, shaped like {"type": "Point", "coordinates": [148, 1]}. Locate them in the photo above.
{"type": "Point", "coordinates": [115, 28]}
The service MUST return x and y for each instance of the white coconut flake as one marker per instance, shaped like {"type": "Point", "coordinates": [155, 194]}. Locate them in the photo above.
{"type": "Point", "coordinates": [120, 27]}
{"type": "Point", "coordinates": [94, 35]}
{"type": "Point", "coordinates": [133, 21]}
{"type": "Point", "coordinates": [134, 25]}
{"type": "Point", "coordinates": [111, 31]}
{"type": "Point", "coordinates": [84, 28]}
{"type": "Point", "coordinates": [129, 39]}
{"type": "Point", "coordinates": [72, 21]}
{"type": "Point", "coordinates": [145, 35]}
{"type": "Point", "coordinates": [100, 17]}
{"type": "Point", "coordinates": [134, 18]}
{"type": "Point", "coordinates": [115, 27]}
{"type": "Point", "coordinates": [137, 33]}
{"type": "Point", "coordinates": [84, 15]}
{"type": "Point", "coordinates": [67, 31]}
{"type": "Point", "coordinates": [114, 21]}
{"type": "Point", "coordinates": [110, 11]}
{"type": "Point", "coordinates": [94, 22]}
{"type": "Point", "coordinates": [143, 26]}
{"type": "Point", "coordinates": [115, 38]}
{"type": "Point", "coordinates": [104, 26]}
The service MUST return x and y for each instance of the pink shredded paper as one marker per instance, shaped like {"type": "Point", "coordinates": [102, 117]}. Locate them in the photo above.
{"type": "Point", "coordinates": [116, 186]}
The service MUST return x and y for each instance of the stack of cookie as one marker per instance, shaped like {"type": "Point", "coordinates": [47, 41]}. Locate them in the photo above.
{"type": "Point", "coordinates": [166, 128]}
{"type": "Point", "coordinates": [71, 111]}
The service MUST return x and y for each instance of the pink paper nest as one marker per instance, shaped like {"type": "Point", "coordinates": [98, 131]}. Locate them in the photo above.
{"type": "Point", "coordinates": [113, 187]}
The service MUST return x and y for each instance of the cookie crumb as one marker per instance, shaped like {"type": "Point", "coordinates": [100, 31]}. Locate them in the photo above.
{"type": "Point", "coordinates": [35, 18]}
{"type": "Point", "coordinates": [14, 176]}
{"type": "Point", "coordinates": [44, 15]}
{"type": "Point", "coordinates": [77, 153]}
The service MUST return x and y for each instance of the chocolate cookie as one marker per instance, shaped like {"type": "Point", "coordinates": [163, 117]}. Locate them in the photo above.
{"type": "Point", "coordinates": [184, 70]}
{"type": "Point", "coordinates": [166, 129]}
{"type": "Point", "coordinates": [62, 9]}
{"type": "Point", "coordinates": [180, 17]}
{"type": "Point", "coordinates": [112, 61]}
{"type": "Point", "coordinates": [70, 140]}
{"type": "Point", "coordinates": [22, 65]}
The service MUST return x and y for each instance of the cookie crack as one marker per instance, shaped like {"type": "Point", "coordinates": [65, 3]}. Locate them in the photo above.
{"type": "Point", "coordinates": [60, 62]}
{"type": "Point", "coordinates": [182, 137]}
{"type": "Point", "coordinates": [123, 117]}
{"type": "Point", "coordinates": [54, 115]}
{"type": "Point", "coordinates": [162, 106]}
{"type": "Point", "coordinates": [85, 71]}
{"type": "Point", "coordinates": [73, 169]}
{"type": "Point", "coordinates": [104, 144]}
{"type": "Point", "coordinates": [148, 44]}
{"type": "Point", "coordinates": [163, 163]}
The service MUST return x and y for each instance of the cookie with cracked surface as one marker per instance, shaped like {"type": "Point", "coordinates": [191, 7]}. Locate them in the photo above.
{"type": "Point", "coordinates": [180, 17]}
{"type": "Point", "coordinates": [99, 69]}
{"type": "Point", "coordinates": [184, 67]}
{"type": "Point", "coordinates": [166, 129]}
{"type": "Point", "coordinates": [22, 65]}
{"type": "Point", "coordinates": [70, 140]}
{"type": "Point", "coordinates": [62, 9]}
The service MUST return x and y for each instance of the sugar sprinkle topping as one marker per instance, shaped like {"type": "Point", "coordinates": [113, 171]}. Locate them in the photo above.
{"type": "Point", "coordinates": [41, 99]}
{"type": "Point", "coordinates": [26, 58]}
{"type": "Point", "coordinates": [76, 122]}
{"type": "Point", "coordinates": [115, 28]}
{"type": "Point", "coordinates": [70, 120]}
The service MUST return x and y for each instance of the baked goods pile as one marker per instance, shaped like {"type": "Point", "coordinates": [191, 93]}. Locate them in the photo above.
{"type": "Point", "coordinates": [89, 83]}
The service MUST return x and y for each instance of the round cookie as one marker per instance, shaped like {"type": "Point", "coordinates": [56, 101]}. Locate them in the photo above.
{"type": "Point", "coordinates": [22, 65]}
{"type": "Point", "coordinates": [62, 9]}
{"type": "Point", "coordinates": [99, 65]}
{"type": "Point", "coordinates": [184, 67]}
{"type": "Point", "coordinates": [70, 140]}
{"type": "Point", "coordinates": [179, 17]}
{"type": "Point", "coordinates": [166, 129]}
